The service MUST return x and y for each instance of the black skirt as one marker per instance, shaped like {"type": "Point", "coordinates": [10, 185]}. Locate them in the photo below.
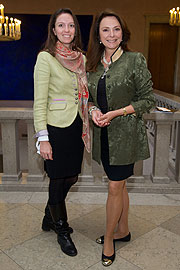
{"type": "Point", "coordinates": [114, 172]}
{"type": "Point", "coordinates": [67, 148]}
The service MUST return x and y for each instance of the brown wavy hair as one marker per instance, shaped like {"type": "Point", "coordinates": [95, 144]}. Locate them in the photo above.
{"type": "Point", "coordinates": [95, 48]}
{"type": "Point", "coordinates": [50, 43]}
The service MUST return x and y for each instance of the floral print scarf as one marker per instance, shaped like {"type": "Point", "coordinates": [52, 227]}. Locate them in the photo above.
{"type": "Point", "coordinates": [73, 61]}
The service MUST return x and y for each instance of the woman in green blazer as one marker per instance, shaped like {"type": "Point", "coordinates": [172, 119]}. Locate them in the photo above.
{"type": "Point", "coordinates": [61, 117]}
{"type": "Point", "coordinates": [120, 89]}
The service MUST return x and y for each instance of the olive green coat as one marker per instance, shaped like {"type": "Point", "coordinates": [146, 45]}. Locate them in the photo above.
{"type": "Point", "coordinates": [128, 81]}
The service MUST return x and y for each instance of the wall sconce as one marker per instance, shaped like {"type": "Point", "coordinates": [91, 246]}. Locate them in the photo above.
{"type": "Point", "coordinates": [174, 18]}
{"type": "Point", "coordinates": [9, 31]}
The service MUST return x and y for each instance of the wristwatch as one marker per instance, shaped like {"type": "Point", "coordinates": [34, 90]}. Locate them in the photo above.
{"type": "Point", "coordinates": [124, 111]}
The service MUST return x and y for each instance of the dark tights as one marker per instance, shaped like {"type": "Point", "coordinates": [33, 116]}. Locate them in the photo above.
{"type": "Point", "coordinates": [58, 189]}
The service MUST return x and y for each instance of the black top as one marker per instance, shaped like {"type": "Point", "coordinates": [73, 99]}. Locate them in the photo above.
{"type": "Point", "coordinates": [101, 95]}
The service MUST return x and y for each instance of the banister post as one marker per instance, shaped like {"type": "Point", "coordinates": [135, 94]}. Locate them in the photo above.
{"type": "Point", "coordinates": [161, 151]}
{"type": "Point", "coordinates": [10, 149]}
{"type": "Point", "coordinates": [177, 157]}
{"type": "Point", "coordinates": [35, 161]}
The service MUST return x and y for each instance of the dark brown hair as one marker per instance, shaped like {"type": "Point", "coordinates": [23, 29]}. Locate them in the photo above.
{"type": "Point", "coordinates": [95, 48]}
{"type": "Point", "coordinates": [52, 38]}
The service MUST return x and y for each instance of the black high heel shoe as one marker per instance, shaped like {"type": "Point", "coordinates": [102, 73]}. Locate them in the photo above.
{"type": "Point", "coordinates": [108, 260]}
{"type": "Point", "coordinates": [126, 238]}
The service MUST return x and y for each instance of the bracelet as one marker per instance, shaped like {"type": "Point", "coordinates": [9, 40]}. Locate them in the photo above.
{"type": "Point", "coordinates": [93, 108]}
{"type": "Point", "coordinates": [124, 111]}
{"type": "Point", "coordinates": [43, 138]}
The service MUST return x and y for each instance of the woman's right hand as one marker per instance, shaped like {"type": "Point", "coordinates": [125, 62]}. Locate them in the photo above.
{"type": "Point", "coordinates": [46, 150]}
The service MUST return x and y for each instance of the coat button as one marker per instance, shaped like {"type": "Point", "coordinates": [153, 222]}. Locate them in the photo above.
{"type": "Point", "coordinates": [75, 89]}
{"type": "Point", "coordinates": [76, 98]}
{"type": "Point", "coordinates": [76, 102]}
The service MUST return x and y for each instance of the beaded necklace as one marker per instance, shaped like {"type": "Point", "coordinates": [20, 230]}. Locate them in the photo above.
{"type": "Point", "coordinates": [109, 63]}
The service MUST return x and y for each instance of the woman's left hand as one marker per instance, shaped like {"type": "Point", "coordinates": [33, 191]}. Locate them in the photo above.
{"type": "Point", "coordinates": [107, 117]}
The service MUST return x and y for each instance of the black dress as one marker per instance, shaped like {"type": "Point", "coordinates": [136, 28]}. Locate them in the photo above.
{"type": "Point", "coordinates": [114, 172]}
{"type": "Point", "coordinates": [67, 147]}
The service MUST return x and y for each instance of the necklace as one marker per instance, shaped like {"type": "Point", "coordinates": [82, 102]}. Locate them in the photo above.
{"type": "Point", "coordinates": [118, 52]}
{"type": "Point", "coordinates": [107, 68]}
{"type": "Point", "coordinates": [104, 73]}
{"type": "Point", "coordinates": [105, 61]}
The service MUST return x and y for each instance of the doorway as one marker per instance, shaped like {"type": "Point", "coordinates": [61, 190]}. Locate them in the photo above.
{"type": "Point", "coordinates": [162, 55]}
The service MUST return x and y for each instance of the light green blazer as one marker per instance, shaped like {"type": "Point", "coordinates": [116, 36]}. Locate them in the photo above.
{"type": "Point", "coordinates": [55, 93]}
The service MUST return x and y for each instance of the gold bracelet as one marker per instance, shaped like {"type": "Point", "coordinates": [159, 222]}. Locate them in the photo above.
{"type": "Point", "coordinates": [124, 111]}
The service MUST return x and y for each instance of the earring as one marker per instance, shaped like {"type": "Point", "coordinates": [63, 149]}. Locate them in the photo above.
{"type": "Point", "coordinates": [100, 42]}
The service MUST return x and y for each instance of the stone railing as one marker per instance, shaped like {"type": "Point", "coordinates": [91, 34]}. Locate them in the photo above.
{"type": "Point", "coordinates": [9, 118]}
{"type": "Point", "coordinates": [171, 102]}
{"type": "Point", "coordinates": [167, 100]}
{"type": "Point", "coordinates": [163, 123]}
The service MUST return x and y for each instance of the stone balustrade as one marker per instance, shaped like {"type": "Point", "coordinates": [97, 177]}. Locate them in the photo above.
{"type": "Point", "coordinates": [91, 172]}
{"type": "Point", "coordinates": [162, 133]}
{"type": "Point", "coordinates": [171, 102]}
{"type": "Point", "coordinates": [9, 118]}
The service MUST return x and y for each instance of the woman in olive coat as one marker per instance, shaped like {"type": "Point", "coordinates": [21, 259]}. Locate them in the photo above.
{"type": "Point", "coordinates": [120, 89]}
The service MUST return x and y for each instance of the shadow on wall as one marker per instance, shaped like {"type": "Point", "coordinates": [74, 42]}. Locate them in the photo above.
{"type": "Point", "coordinates": [17, 58]}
